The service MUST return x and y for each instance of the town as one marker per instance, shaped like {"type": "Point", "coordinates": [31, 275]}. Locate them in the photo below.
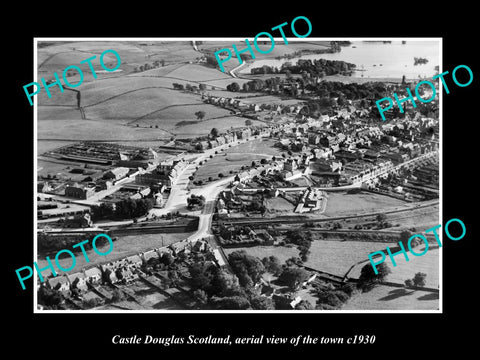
{"type": "Point", "coordinates": [259, 191]}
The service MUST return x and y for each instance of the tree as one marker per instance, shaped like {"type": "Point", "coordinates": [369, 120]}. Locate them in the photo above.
{"type": "Point", "coordinates": [272, 265]}
{"type": "Point", "coordinates": [202, 87]}
{"type": "Point", "coordinates": [200, 276]}
{"type": "Point", "coordinates": [304, 305]}
{"type": "Point", "coordinates": [368, 278]}
{"type": "Point", "coordinates": [404, 236]}
{"type": "Point", "coordinates": [233, 87]}
{"type": "Point", "coordinates": [225, 283]}
{"type": "Point", "coordinates": [419, 279]}
{"type": "Point", "coordinates": [167, 259]}
{"type": "Point", "coordinates": [381, 218]}
{"type": "Point", "coordinates": [259, 302]}
{"type": "Point", "coordinates": [200, 296]}
{"type": "Point", "coordinates": [200, 115]}
{"type": "Point", "coordinates": [233, 303]}
{"type": "Point", "coordinates": [248, 122]}
{"type": "Point", "coordinates": [293, 277]}
{"type": "Point", "coordinates": [214, 132]}
{"type": "Point", "coordinates": [248, 268]}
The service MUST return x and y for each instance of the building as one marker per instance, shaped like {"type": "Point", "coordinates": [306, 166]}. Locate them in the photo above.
{"type": "Point", "coordinates": [59, 283]}
{"type": "Point", "coordinates": [78, 281]}
{"type": "Point", "coordinates": [93, 275]}
{"type": "Point", "coordinates": [116, 173]}
{"type": "Point", "coordinates": [79, 191]}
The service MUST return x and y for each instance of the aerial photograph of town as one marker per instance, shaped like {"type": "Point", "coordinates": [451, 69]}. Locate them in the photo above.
{"type": "Point", "coordinates": [227, 186]}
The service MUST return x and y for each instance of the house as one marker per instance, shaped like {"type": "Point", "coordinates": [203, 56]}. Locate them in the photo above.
{"type": "Point", "coordinates": [135, 261]}
{"type": "Point", "coordinates": [116, 173]}
{"type": "Point", "coordinates": [109, 275]}
{"type": "Point", "coordinates": [78, 221]}
{"type": "Point", "coordinates": [126, 275]}
{"type": "Point", "coordinates": [290, 165]}
{"type": "Point", "coordinates": [79, 191]}
{"type": "Point", "coordinates": [59, 283]}
{"type": "Point", "coordinates": [93, 275]}
{"type": "Point", "coordinates": [78, 281]}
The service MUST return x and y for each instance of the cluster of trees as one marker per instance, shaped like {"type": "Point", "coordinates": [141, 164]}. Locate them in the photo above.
{"type": "Point", "coordinates": [419, 280]}
{"type": "Point", "coordinates": [216, 287]}
{"type": "Point", "coordinates": [369, 279]}
{"type": "Point", "coordinates": [317, 67]}
{"type": "Point", "coordinates": [148, 66]}
{"type": "Point", "coordinates": [303, 240]}
{"type": "Point", "coordinates": [220, 289]}
{"type": "Point", "coordinates": [189, 87]}
{"type": "Point", "coordinates": [124, 209]}
{"type": "Point", "coordinates": [195, 202]}
{"type": "Point", "coordinates": [331, 297]}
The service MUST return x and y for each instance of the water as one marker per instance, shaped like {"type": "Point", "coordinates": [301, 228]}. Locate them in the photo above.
{"type": "Point", "coordinates": [379, 60]}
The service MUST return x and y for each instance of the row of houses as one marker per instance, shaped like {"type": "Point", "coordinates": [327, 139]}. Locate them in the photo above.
{"type": "Point", "coordinates": [124, 270]}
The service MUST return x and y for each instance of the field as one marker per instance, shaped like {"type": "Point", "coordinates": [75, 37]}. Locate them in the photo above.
{"type": "Point", "coordinates": [341, 203]}
{"type": "Point", "coordinates": [278, 205]}
{"type": "Point", "coordinates": [428, 264]}
{"type": "Point", "coordinates": [140, 98]}
{"type": "Point", "coordinates": [95, 130]}
{"type": "Point", "coordinates": [337, 257]}
{"type": "Point", "coordinates": [236, 157]}
{"type": "Point", "coordinates": [281, 252]}
{"type": "Point", "coordinates": [393, 298]}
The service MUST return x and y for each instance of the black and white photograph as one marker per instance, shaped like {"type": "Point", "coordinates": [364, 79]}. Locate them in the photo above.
{"type": "Point", "coordinates": [216, 182]}
{"type": "Point", "coordinates": [221, 179]}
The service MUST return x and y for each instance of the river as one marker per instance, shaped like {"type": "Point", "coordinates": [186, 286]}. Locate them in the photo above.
{"type": "Point", "coordinates": [377, 59]}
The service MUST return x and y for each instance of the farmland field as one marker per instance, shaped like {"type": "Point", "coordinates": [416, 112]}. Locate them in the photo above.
{"type": "Point", "coordinates": [281, 252]}
{"type": "Point", "coordinates": [95, 130]}
{"type": "Point", "coordinates": [341, 203]}
{"type": "Point", "coordinates": [392, 298]}
{"type": "Point", "coordinates": [337, 257]}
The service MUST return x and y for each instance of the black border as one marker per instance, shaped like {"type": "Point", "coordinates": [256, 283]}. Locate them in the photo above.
{"type": "Point", "coordinates": [402, 333]}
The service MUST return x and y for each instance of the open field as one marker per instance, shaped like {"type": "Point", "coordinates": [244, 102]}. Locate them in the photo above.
{"type": "Point", "coordinates": [281, 252]}
{"type": "Point", "coordinates": [341, 203]}
{"type": "Point", "coordinates": [393, 298]}
{"type": "Point", "coordinates": [184, 112]}
{"type": "Point", "coordinates": [278, 205]}
{"type": "Point", "coordinates": [337, 257]}
{"type": "Point", "coordinates": [428, 264]}
{"type": "Point", "coordinates": [236, 157]}
{"type": "Point", "coordinates": [95, 130]}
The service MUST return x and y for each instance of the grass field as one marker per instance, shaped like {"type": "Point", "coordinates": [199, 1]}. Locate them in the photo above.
{"type": "Point", "coordinates": [278, 205]}
{"type": "Point", "coordinates": [281, 252]}
{"type": "Point", "coordinates": [236, 157]}
{"type": "Point", "coordinates": [95, 130]}
{"type": "Point", "coordinates": [337, 257]}
{"type": "Point", "coordinates": [392, 298]}
{"type": "Point", "coordinates": [341, 203]}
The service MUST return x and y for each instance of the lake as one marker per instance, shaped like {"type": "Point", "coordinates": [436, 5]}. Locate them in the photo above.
{"type": "Point", "coordinates": [377, 59]}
